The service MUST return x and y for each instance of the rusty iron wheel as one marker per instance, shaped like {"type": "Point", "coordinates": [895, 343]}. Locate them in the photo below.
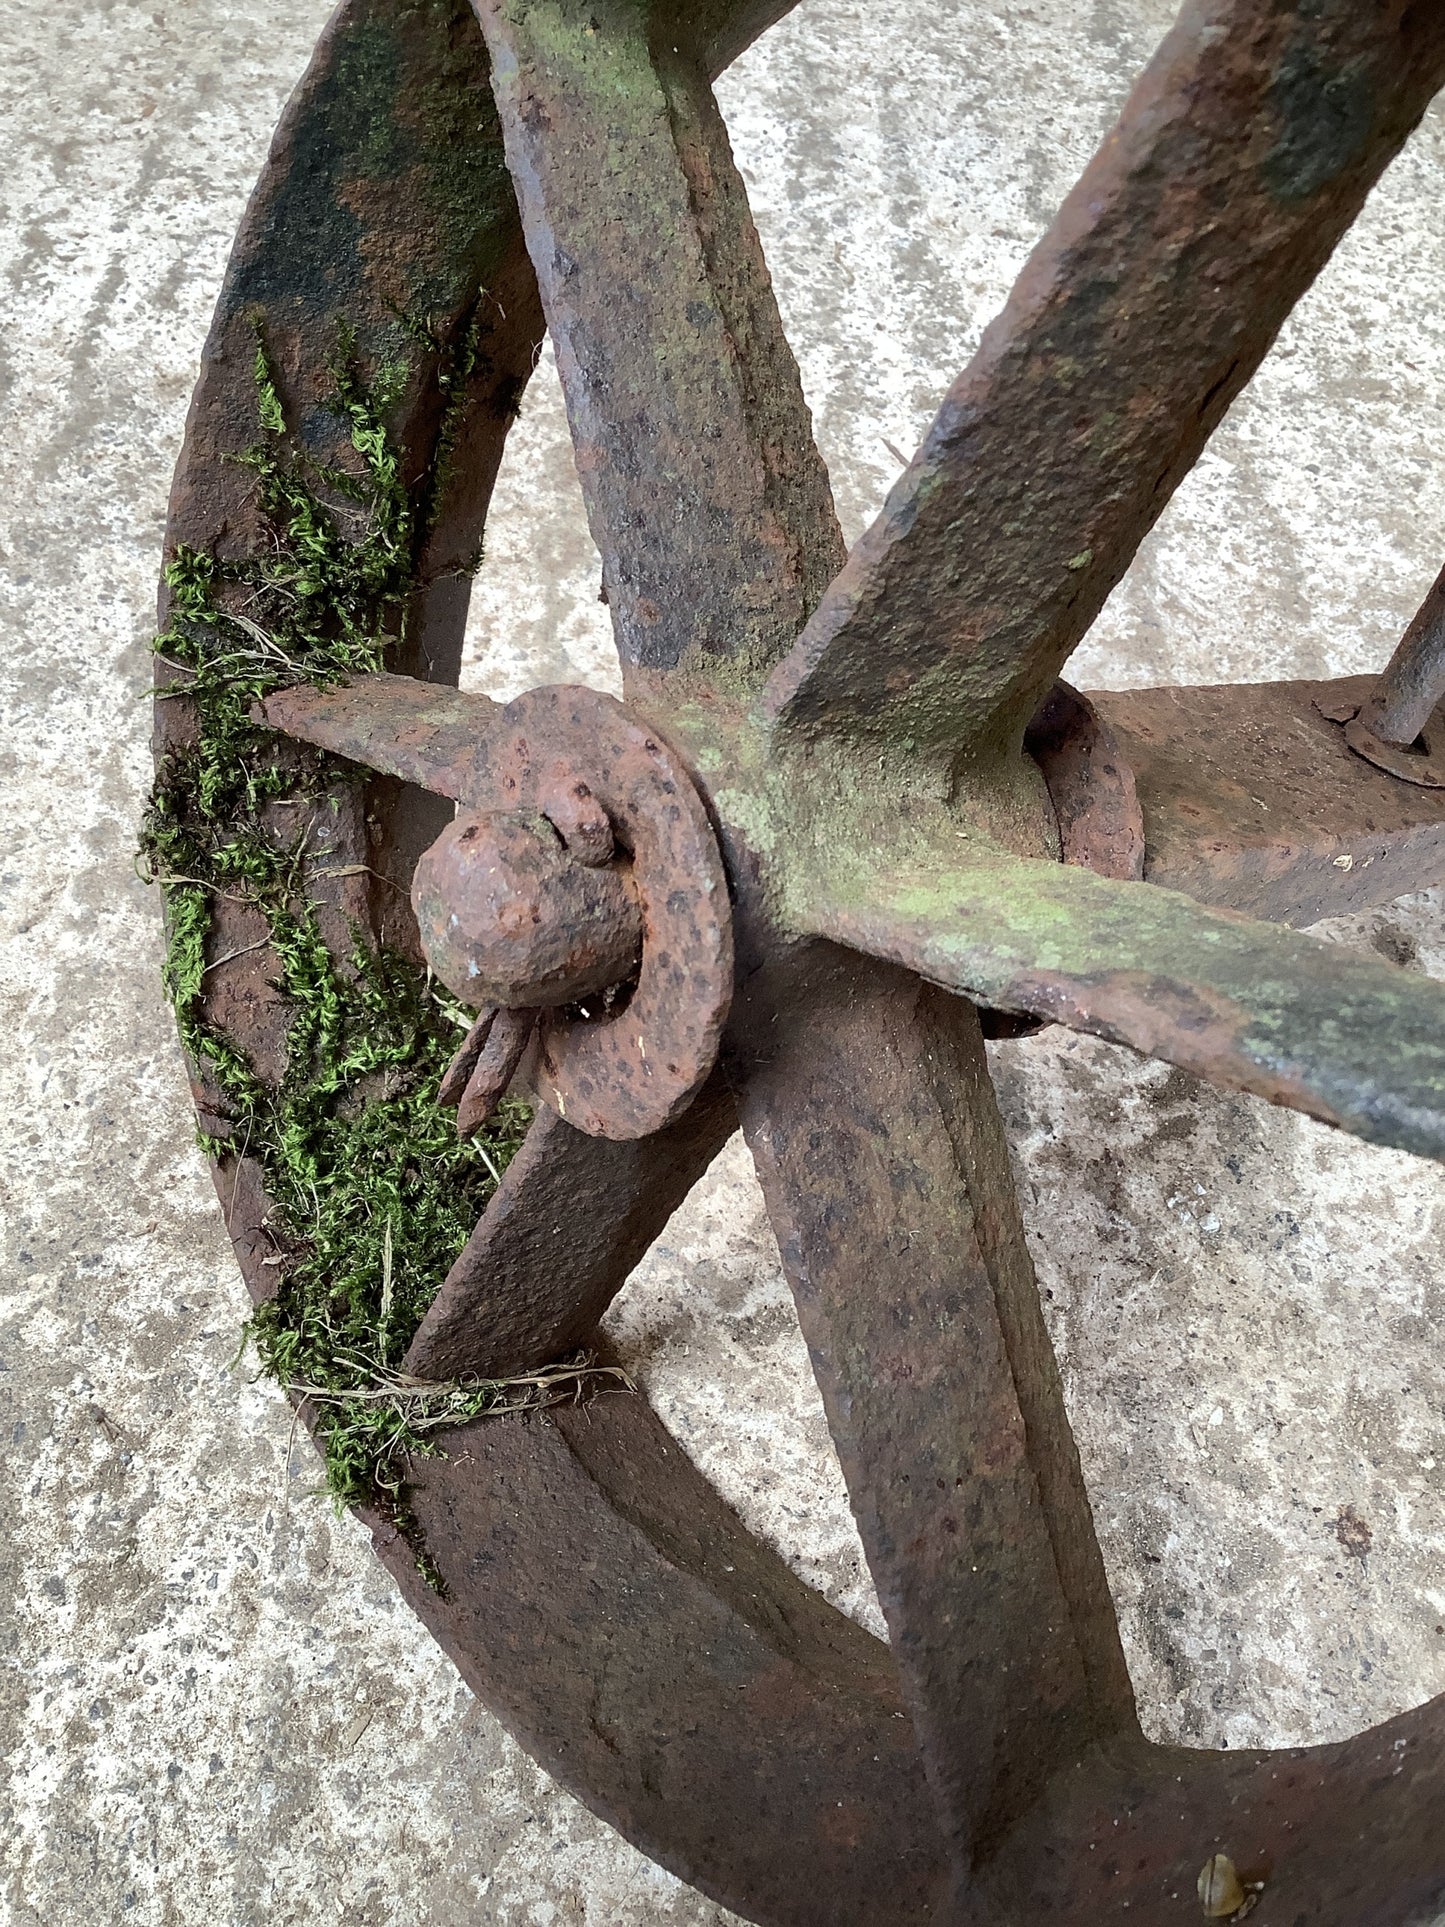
{"type": "Point", "coordinates": [915, 821]}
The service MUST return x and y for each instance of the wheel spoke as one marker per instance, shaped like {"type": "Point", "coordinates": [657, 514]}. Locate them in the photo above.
{"type": "Point", "coordinates": [1252, 1006]}
{"type": "Point", "coordinates": [881, 1153]}
{"type": "Point", "coordinates": [426, 733]}
{"type": "Point", "coordinates": [1245, 151]}
{"type": "Point", "coordinates": [571, 1219]}
{"type": "Point", "coordinates": [586, 1579]}
{"type": "Point", "coordinates": [705, 492]}
{"type": "Point", "coordinates": [610, 1608]}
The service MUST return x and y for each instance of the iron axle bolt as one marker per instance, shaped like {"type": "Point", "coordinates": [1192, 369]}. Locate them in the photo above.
{"type": "Point", "coordinates": [508, 916]}
{"type": "Point", "coordinates": [516, 920]}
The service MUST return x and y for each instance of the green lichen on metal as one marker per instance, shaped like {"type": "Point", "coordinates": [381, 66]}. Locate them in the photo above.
{"type": "Point", "coordinates": [400, 128]}
{"type": "Point", "coordinates": [1251, 1005]}
{"type": "Point", "coordinates": [1326, 116]}
{"type": "Point", "coordinates": [372, 1194]}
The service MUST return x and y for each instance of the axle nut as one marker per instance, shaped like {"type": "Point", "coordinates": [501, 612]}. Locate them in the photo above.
{"type": "Point", "coordinates": [508, 916]}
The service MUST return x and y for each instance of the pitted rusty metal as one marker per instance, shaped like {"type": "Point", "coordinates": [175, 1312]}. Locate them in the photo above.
{"type": "Point", "coordinates": [798, 1771]}
{"type": "Point", "coordinates": [508, 1034]}
{"type": "Point", "coordinates": [1421, 760]}
{"type": "Point", "coordinates": [514, 924]}
{"type": "Point", "coordinates": [1090, 785]}
{"type": "Point", "coordinates": [510, 917]}
{"type": "Point", "coordinates": [621, 1072]}
{"type": "Point", "coordinates": [1400, 725]}
{"type": "Point", "coordinates": [1405, 702]}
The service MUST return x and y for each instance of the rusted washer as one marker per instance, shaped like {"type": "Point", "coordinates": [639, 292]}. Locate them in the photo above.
{"type": "Point", "coordinates": [1424, 766]}
{"type": "Point", "coordinates": [624, 1073]}
{"type": "Point", "coordinates": [1091, 786]}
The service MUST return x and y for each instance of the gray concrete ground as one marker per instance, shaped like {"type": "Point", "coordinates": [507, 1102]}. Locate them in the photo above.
{"type": "Point", "coordinates": [212, 1706]}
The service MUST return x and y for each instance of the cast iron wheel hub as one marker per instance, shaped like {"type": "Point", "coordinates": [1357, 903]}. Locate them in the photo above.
{"type": "Point", "coordinates": [845, 805]}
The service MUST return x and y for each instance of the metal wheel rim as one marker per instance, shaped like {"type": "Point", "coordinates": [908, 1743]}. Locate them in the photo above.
{"type": "Point", "coordinates": [800, 1736]}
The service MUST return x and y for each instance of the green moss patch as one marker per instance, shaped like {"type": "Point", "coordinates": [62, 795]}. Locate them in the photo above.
{"type": "Point", "coordinates": [372, 1194]}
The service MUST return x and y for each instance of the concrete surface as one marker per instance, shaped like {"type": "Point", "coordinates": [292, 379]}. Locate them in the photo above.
{"type": "Point", "coordinates": [212, 1706]}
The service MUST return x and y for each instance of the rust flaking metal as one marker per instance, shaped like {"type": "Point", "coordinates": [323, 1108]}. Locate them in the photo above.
{"type": "Point", "coordinates": [789, 882]}
{"type": "Point", "coordinates": [621, 1072]}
